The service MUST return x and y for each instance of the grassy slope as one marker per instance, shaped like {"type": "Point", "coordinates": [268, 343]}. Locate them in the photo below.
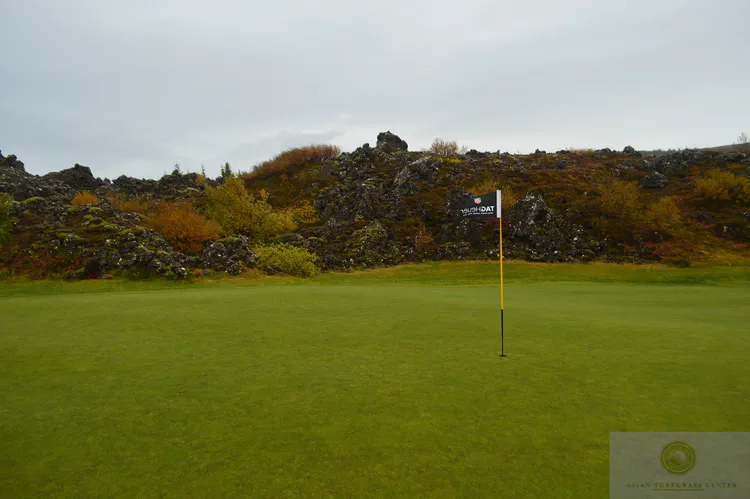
{"type": "Point", "coordinates": [377, 389]}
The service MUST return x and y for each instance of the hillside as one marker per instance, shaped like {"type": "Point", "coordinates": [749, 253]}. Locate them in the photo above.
{"type": "Point", "coordinates": [381, 206]}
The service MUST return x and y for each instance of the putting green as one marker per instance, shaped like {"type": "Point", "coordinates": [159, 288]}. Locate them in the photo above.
{"type": "Point", "coordinates": [370, 389]}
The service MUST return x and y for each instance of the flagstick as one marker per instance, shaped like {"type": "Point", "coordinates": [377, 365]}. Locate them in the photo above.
{"type": "Point", "coordinates": [502, 292]}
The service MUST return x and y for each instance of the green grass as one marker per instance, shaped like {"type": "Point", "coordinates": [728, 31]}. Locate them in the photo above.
{"type": "Point", "coordinates": [384, 383]}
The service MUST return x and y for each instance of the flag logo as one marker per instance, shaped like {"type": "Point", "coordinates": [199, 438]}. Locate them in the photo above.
{"type": "Point", "coordinates": [477, 200]}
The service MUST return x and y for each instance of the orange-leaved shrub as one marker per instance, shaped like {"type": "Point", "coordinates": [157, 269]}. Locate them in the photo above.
{"type": "Point", "coordinates": [664, 214]}
{"type": "Point", "coordinates": [291, 159]}
{"type": "Point", "coordinates": [239, 212]}
{"type": "Point", "coordinates": [84, 198]}
{"type": "Point", "coordinates": [133, 204]}
{"type": "Point", "coordinates": [183, 227]}
{"type": "Point", "coordinates": [722, 185]}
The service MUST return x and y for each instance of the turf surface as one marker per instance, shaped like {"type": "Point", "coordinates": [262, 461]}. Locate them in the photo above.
{"type": "Point", "coordinates": [380, 384]}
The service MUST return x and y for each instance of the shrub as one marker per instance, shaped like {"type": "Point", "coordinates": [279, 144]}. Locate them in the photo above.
{"type": "Point", "coordinates": [442, 147]}
{"type": "Point", "coordinates": [133, 204]}
{"type": "Point", "coordinates": [83, 198]}
{"type": "Point", "coordinates": [665, 214]}
{"type": "Point", "coordinates": [287, 259]}
{"type": "Point", "coordinates": [619, 210]}
{"type": "Point", "coordinates": [239, 212]}
{"type": "Point", "coordinates": [423, 238]}
{"type": "Point", "coordinates": [620, 199]}
{"type": "Point", "coordinates": [289, 160]}
{"type": "Point", "coordinates": [6, 218]}
{"type": "Point", "coordinates": [200, 178]}
{"type": "Point", "coordinates": [183, 227]}
{"type": "Point", "coordinates": [580, 150]}
{"type": "Point", "coordinates": [722, 185]}
{"type": "Point", "coordinates": [305, 214]}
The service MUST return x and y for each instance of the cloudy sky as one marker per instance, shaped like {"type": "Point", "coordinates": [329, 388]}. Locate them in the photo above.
{"type": "Point", "coordinates": [135, 86]}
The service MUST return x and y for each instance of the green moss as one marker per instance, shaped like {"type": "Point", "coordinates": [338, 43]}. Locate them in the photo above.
{"type": "Point", "coordinates": [31, 200]}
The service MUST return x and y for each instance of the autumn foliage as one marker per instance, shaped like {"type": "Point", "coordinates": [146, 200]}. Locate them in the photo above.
{"type": "Point", "coordinates": [721, 185]}
{"type": "Point", "coordinates": [183, 227]}
{"type": "Point", "coordinates": [289, 160]}
{"type": "Point", "coordinates": [239, 212]}
{"type": "Point", "coordinates": [84, 198]}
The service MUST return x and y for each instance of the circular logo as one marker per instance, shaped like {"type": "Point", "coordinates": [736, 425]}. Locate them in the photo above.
{"type": "Point", "coordinates": [677, 458]}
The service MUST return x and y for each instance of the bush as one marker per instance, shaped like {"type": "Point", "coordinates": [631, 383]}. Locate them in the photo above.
{"type": "Point", "coordinates": [620, 199]}
{"type": "Point", "coordinates": [665, 214]}
{"type": "Point", "coordinates": [286, 259]}
{"type": "Point", "coordinates": [183, 227]}
{"type": "Point", "coordinates": [305, 214]}
{"type": "Point", "coordinates": [290, 159]}
{"type": "Point", "coordinates": [619, 210]}
{"type": "Point", "coordinates": [84, 198]}
{"type": "Point", "coordinates": [722, 185]}
{"type": "Point", "coordinates": [133, 204]}
{"type": "Point", "coordinates": [442, 147]}
{"type": "Point", "coordinates": [239, 212]}
{"type": "Point", "coordinates": [6, 218]}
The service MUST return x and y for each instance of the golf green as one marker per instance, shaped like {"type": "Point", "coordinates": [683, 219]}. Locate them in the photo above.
{"type": "Point", "coordinates": [358, 387]}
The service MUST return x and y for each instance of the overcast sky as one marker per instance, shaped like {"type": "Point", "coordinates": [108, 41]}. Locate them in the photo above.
{"type": "Point", "coordinates": [134, 86]}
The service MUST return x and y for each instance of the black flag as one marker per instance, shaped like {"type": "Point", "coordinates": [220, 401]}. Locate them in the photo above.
{"type": "Point", "coordinates": [486, 205]}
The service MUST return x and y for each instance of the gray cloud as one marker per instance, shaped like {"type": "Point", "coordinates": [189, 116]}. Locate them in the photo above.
{"type": "Point", "coordinates": [133, 87]}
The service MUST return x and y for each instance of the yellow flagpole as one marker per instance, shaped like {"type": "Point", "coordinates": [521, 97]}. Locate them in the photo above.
{"type": "Point", "coordinates": [502, 290]}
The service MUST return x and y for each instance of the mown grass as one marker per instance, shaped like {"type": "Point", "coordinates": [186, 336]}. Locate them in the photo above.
{"type": "Point", "coordinates": [384, 383]}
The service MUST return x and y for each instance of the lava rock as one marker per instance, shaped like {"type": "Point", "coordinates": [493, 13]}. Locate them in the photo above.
{"type": "Point", "coordinates": [390, 142]}
{"type": "Point", "coordinates": [533, 224]}
{"type": "Point", "coordinates": [79, 178]}
{"type": "Point", "coordinates": [228, 255]}
{"type": "Point", "coordinates": [654, 180]}
{"type": "Point", "coordinates": [630, 151]}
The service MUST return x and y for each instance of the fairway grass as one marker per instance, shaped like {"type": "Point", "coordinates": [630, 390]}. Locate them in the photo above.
{"type": "Point", "coordinates": [384, 383]}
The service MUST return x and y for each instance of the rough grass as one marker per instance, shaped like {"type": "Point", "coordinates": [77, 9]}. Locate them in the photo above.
{"type": "Point", "coordinates": [287, 161]}
{"type": "Point", "coordinates": [384, 383]}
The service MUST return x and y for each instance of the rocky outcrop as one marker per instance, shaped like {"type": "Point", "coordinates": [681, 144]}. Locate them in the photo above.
{"type": "Point", "coordinates": [390, 143]}
{"type": "Point", "coordinates": [361, 201]}
{"type": "Point", "coordinates": [654, 180]}
{"type": "Point", "coordinates": [14, 180]}
{"type": "Point", "coordinates": [535, 226]}
{"type": "Point", "coordinates": [228, 255]}
{"type": "Point", "coordinates": [138, 251]}
{"type": "Point", "coordinates": [79, 178]}
{"type": "Point", "coordinates": [630, 151]}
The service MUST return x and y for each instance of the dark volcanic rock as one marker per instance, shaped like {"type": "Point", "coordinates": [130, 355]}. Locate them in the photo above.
{"type": "Point", "coordinates": [654, 180]}
{"type": "Point", "coordinates": [455, 199]}
{"type": "Point", "coordinates": [391, 143]}
{"type": "Point", "coordinates": [533, 224]}
{"type": "Point", "coordinates": [630, 151]}
{"type": "Point", "coordinates": [365, 200]}
{"type": "Point", "coordinates": [79, 178]}
{"type": "Point", "coordinates": [140, 250]}
{"type": "Point", "coordinates": [15, 181]}
{"type": "Point", "coordinates": [228, 255]}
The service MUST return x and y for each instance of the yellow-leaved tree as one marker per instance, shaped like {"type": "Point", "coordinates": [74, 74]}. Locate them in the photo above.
{"type": "Point", "coordinates": [239, 212]}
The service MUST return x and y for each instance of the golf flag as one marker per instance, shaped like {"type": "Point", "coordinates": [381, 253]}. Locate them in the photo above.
{"type": "Point", "coordinates": [488, 205]}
